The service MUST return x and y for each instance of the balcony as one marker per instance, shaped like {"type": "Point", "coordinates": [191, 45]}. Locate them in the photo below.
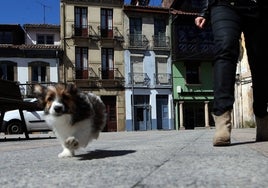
{"type": "Point", "coordinates": [85, 77]}
{"type": "Point", "coordinates": [161, 42]}
{"type": "Point", "coordinates": [112, 33]}
{"type": "Point", "coordinates": [27, 90]}
{"type": "Point", "coordinates": [193, 50]}
{"type": "Point", "coordinates": [139, 79]}
{"type": "Point", "coordinates": [85, 31]}
{"type": "Point", "coordinates": [163, 79]}
{"type": "Point", "coordinates": [138, 41]}
{"type": "Point", "coordinates": [109, 78]}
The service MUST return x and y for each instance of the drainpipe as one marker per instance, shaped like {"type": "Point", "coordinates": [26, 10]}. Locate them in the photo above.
{"type": "Point", "coordinates": [58, 66]}
{"type": "Point", "coordinates": [64, 42]}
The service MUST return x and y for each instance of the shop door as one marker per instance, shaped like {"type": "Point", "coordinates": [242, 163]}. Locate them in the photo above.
{"type": "Point", "coordinates": [194, 115]}
{"type": "Point", "coordinates": [162, 111]}
{"type": "Point", "coordinates": [110, 103]}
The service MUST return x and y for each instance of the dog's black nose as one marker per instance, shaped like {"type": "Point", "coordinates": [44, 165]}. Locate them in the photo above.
{"type": "Point", "coordinates": [58, 109]}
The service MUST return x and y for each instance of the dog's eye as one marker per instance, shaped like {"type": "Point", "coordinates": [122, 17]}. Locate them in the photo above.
{"type": "Point", "coordinates": [50, 99]}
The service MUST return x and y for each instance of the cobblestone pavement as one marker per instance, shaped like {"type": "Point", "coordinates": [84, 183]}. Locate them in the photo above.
{"type": "Point", "coordinates": [184, 158]}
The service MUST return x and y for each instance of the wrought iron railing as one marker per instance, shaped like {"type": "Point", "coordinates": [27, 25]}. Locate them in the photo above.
{"type": "Point", "coordinates": [110, 33]}
{"type": "Point", "coordinates": [163, 79]}
{"type": "Point", "coordinates": [86, 31]}
{"type": "Point", "coordinates": [138, 41]}
{"type": "Point", "coordinates": [27, 89]}
{"type": "Point", "coordinates": [139, 79]}
{"type": "Point", "coordinates": [161, 41]}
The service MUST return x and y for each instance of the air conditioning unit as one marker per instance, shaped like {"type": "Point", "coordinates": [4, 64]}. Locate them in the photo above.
{"type": "Point", "coordinates": [179, 89]}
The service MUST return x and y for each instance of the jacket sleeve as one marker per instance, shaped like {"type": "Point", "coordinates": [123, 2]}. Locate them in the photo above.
{"type": "Point", "coordinates": [205, 8]}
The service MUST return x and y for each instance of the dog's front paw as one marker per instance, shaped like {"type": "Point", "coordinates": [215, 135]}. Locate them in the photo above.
{"type": "Point", "coordinates": [66, 153]}
{"type": "Point", "coordinates": [71, 143]}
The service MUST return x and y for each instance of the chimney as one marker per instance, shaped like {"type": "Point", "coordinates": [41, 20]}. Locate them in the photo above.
{"type": "Point", "coordinates": [140, 2]}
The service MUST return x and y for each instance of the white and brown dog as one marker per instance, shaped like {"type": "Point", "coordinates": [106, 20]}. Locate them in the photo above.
{"type": "Point", "coordinates": [76, 117]}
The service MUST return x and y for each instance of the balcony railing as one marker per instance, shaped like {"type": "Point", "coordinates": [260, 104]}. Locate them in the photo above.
{"type": "Point", "coordinates": [193, 50]}
{"type": "Point", "coordinates": [110, 33]}
{"type": "Point", "coordinates": [109, 73]}
{"type": "Point", "coordinates": [85, 31]}
{"type": "Point", "coordinates": [163, 79]}
{"type": "Point", "coordinates": [138, 41]}
{"type": "Point", "coordinates": [27, 89]}
{"type": "Point", "coordinates": [85, 73]}
{"type": "Point", "coordinates": [104, 78]}
{"type": "Point", "coordinates": [161, 42]}
{"type": "Point", "coordinates": [141, 79]}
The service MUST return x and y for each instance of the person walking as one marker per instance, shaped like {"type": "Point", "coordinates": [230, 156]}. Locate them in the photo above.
{"type": "Point", "coordinates": [228, 19]}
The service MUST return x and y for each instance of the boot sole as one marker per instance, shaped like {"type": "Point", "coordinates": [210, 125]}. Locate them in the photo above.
{"type": "Point", "coordinates": [222, 143]}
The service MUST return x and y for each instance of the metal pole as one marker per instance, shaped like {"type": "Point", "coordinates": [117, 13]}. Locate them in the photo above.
{"type": "Point", "coordinates": [133, 103]}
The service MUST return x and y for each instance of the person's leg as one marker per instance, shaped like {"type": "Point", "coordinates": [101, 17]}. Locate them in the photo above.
{"type": "Point", "coordinates": [256, 39]}
{"type": "Point", "coordinates": [227, 33]}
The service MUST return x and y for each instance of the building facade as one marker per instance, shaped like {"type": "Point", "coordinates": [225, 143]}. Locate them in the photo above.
{"type": "Point", "coordinates": [148, 82]}
{"type": "Point", "coordinates": [192, 63]}
{"type": "Point", "coordinates": [92, 40]}
{"type": "Point", "coordinates": [30, 54]}
{"type": "Point", "coordinates": [192, 54]}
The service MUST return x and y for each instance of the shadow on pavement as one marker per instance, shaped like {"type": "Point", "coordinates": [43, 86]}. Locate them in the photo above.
{"type": "Point", "coordinates": [242, 143]}
{"type": "Point", "coordinates": [7, 139]}
{"type": "Point", "coordinates": [99, 154]}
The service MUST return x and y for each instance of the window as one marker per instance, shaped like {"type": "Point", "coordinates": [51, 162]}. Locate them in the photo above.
{"type": "Point", "coordinates": [81, 63]}
{"type": "Point", "coordinates": [6, 37]}
{"type": "Point", "coordinates": [7, 70]}
{"type": "Point", "coordinates": [162, 76]}
{"type": "Point", "coordinates": [45, 39]}
{"type": "Point", "coordinates": [81, 25]}
{"type": "Point", "coordinates": [106, 22]}
{"type": "Point", "coordinates": [160, 33]}
{"type": "Point", "coordinates": [39, 71]}
{"type": "Point", "coordinates": [137, 71]}
{"type": "Point", "coordinates": [192, 73]}
{"type": "Point", "coordinates": [161, 64]}
{"type": "Point", "coordinates": [135, 25]}
{"type": "Point", "coordinates": [107, 63]}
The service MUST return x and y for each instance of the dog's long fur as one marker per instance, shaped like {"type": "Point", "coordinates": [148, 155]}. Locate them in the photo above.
{"type": "Point", "coordinates": [76, 117]}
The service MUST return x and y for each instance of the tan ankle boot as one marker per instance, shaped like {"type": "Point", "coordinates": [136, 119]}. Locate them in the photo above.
{"type": "Point", "coordinates": [222, 136]}
{"type": "Point", "coordinates": [262, 129]}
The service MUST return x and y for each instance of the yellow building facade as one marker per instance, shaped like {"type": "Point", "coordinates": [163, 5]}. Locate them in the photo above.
{"type": "Point", "coordinates": [92, 41]}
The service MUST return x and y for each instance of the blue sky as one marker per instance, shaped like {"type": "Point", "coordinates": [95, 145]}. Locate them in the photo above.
{"type": "Point", "coordinates": [36, 11]}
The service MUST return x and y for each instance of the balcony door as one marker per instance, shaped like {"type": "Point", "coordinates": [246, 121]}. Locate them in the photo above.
{"type": "Point", "coordinates": [107, 23]}
{"type": "Point", "coordinates": [81, 63]}
{"type": "Point", "coordinates": [160, 32]}
{"type": "Point", "coordinates": [135, 25]}
{"type": "Point", "coordinates": [81, 25]}
{"type": "Point", "coordinates": [107, 63]}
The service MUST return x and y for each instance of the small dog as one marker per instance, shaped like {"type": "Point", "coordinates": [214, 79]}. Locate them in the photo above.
{"type": "Point", "coordinates": [76, 117]}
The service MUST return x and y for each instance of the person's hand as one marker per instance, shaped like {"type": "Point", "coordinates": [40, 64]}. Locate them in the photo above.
{"type": "Point", "coordinates": [200, 22]}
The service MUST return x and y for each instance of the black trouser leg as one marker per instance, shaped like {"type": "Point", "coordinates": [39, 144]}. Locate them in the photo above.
{"type": "Point", "coordinates": [227, 33]}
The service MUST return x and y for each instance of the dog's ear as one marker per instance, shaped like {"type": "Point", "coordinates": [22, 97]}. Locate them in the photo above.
{"type": "Point", "coordinates": [72, 89]}
{"type": "Point", "coordinates": [40, 93]}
